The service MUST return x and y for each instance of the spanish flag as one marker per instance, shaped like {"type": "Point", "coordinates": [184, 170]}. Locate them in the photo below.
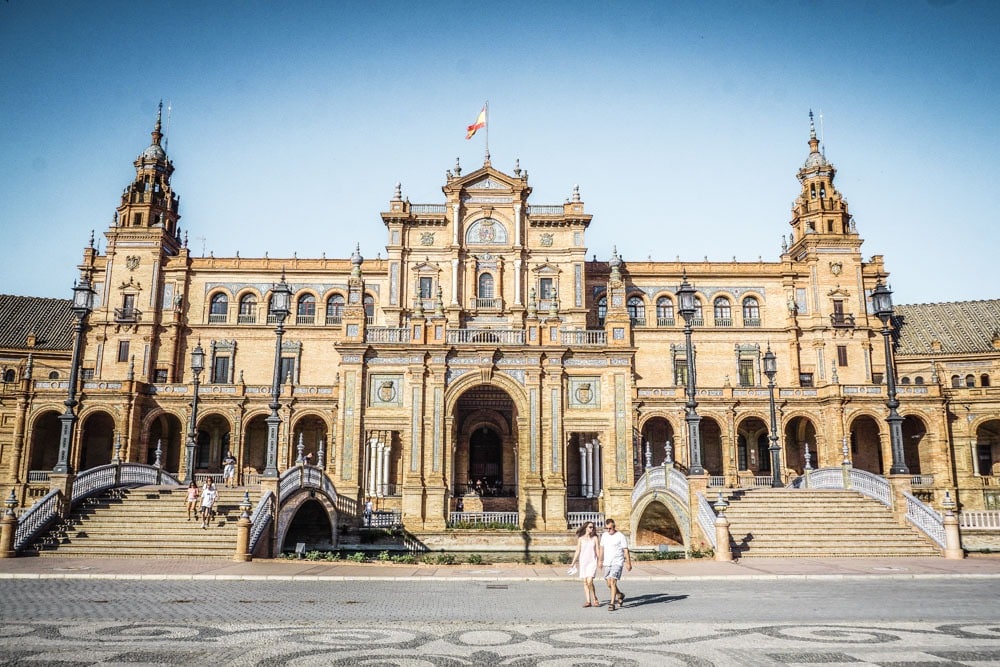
{"type": "Point", "coordinates": [478, 125]}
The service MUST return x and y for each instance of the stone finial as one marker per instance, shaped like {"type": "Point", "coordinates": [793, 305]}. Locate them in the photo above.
{"type": "Point", "coordinates": [517, 167]}
{"type": "Point", "coordinates": [185, 239]}
{"type": "Point", "coordinates": [576, 193]}
{"type": "Point", "coordinates": [439, 303]}
{"type": "Point", "coordinates": [554, 304]}
{"type": "Point", "coordinates": [397, 194]}
{"type": "Point", "coordinates": [458, 168]}
{"type": "Point", "coordinates": [29, 367]}
{"type": "Point", "coordinates": [784, 244]}
{"type": "Point", "coordinates": [91, 239]}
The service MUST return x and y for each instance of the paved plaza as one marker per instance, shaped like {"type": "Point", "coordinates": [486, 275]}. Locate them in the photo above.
{"type": "Point", "coordinates": [63, 611]}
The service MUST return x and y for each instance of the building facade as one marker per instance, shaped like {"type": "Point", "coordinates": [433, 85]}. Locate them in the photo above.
{"type": "Point", "coordinates": [487, 358]}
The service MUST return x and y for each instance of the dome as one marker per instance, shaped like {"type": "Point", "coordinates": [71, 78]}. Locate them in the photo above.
{"type": "Point", "coordinates": [815, 159]}
{"type": "Point", "coordinates": [154, 152]}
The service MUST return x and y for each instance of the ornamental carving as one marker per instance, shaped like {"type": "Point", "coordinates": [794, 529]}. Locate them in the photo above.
{"type": "Point", "coordinates": [836, 268]}
{"type": "Point", "coordinates": [132, 262]}
{"type": "Point", "coordinates": [427, 238]}
{"type": "Point", "coordinates": [546, 240]}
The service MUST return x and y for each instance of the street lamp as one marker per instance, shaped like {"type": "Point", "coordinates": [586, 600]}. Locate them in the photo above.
{"type": "Point", "coordinates": [686, 306]}
{"type": "Point", "coordinates": [281, 306]}
{"type": "Point", "coordinates": [770, 370]}
{"type": "Point", "coordinates": [882, 302]}
{"type": "Point", "coordinates": [197, 366]}
{"type": "Point", "coordinates": [83, 304]}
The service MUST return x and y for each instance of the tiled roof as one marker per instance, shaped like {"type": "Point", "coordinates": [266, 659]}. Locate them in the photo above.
{"type": "Point", "coordinates": [961, 327]}
{"type": "Point", "coordinates": [51, 320]}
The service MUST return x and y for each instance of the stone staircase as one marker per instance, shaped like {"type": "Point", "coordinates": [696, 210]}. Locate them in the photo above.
{"type": "Point", "coordinates": [803, 523]}
{"type": "Point", "coordinates": [147, 522]}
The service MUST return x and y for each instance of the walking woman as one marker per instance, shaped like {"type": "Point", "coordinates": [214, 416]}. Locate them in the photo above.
{"type": "Point", "coordinates": [585, 559]}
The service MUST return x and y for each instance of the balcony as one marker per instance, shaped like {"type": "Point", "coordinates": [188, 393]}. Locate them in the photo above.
{"type": "Point", "coordinates": [723, 321]}
{"type": "Point", "coordinates": [304, 318]}
{"type": "Point", "coordinates": [842, 320]}
{"type": "Point", "coordinates": [127, 315]}
{"type": "Point", "coordinates": [588, 337]}
{"type": "Point", "coordinates": [751, 321]}
{"type": "Point", "coordinates": [334, 319]}
{"type": "Point", "coordinates": [485, 336]}
{"type": "Point", "coordinates": [488, 304]}
{"type": "Point", "coordinates": [664, 321]}
{"type": "Point", "coordinates": [246, 318]}
{"type": "Point", "coordinates": [217, 318]}
{"type": "Point", "coordinates": [387, 335]}
{"type": "Point", "coordinates": [638, 321]}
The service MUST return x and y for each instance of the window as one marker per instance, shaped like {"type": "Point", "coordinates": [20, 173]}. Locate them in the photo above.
{"type": "Point", "coordinates": [53, 375]}
{"type": "Point", "coordinates": [122, 351]}
{"type": "Point", "coordinates": [664, 312]}
{"type": "Point", "coordinates": [801, 304]}
{"type": "Point", "coordinates": [545, 288]}
{"type": "Point", "coordinates": [723, 312]}
{"type": "Point", "coordinates": [841, 355]}
{"type": "Point", "coordinates": [426, 287]}
{"type": "Point", "coordinates": [218, 308]}
{"type": "Point", "coordinates": [636, 310]}
{"type": "Point", "coordinates": [904, 380]}
{"type": "Point", "coordinates": [485, 286]}
{"type": "Point", "coordinates": [335, 309]}
{"type": "Point", "coordinates": [956, 381]}
{"type": "Point", "coordinates": [8, 375]}
{"type": "Point", "coordinates": [248, 309]}
{"type": "Point", "coordinates": [699, 314]}
{"type": "Point", "coordinates": [918, 380]}
{"type": "Point", "coordinates": [128, 306]}
{"type": "Point", "coordinates": [369, 303]}
{"type": "Point", "coordinates": [970, 380]}
{"type": "Point", "coordinates": [984, 380]}
{"type": "Point", "coordinates": [160, 375]}
{"type": "Point", "coordinates": [746, 373]}
{"type": "Point", "coordinates": [287, 369]}
{"type": "Point", "coordinates": [751, 312]}
{"type": "Point", "coordinates": [220, 370]}
{"type": "Point", "coordinates": [86, 373]}
{"type": "Point", "coordinates": [877, 378]}
{"type": "Point", "coordinates": [602, 310]}
{"type": "Point", "coordinates": [805, 379]}
{"type": "Point", "coordinates": [680, 371]}
{"type": "Point", "coordinates": [306, 311]}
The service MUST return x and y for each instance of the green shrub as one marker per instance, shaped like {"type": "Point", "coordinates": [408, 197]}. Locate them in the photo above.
{"type": "Point", "coordinates": [545, 559]}
{"type": "Point", "coordinates": [475, 559]}
{"type": "Point", "coordinates": [332, 556]}
{"type": "Point", "coordinates": [383, 556]}
{"type": "Point", "coordinates": [356, 557]}
{"type": "Point", "coordinates": [445, 559]}
{"type": "Point", "coordinates": [406, 559]}
{"type": "Point", "coordinates": [313, 555]}
{"type": "Point", "coordinates": [565, 558]}
{"type": "Point", "coordinates": [673, 555]}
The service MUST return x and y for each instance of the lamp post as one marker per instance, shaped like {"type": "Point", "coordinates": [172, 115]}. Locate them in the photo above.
{"type": "Point", "coordinates": [83, 303]}
{"type": "Point", "coordinates": [197, 366]}
{"type": "Point", "coordinates": [687, 307]}
{"type": "Point", "coordinates": [281, 305]}
{"type": "Point", "coordinates": [882, 302]}
{"type": "Point", "coordinates": [770, 370]}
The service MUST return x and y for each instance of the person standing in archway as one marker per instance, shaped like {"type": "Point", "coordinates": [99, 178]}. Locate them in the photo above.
{"type": "Point", "coordinates": [614, 555]}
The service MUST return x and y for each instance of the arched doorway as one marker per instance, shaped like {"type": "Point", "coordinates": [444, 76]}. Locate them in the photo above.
{"type": "Point", "coordinates": [866, 445]}
{"type": "Point", "coordinates": [309, 430]}
{"type": "Point", "coordinates": [657, 526]}
{"type": "Point", "coordinates": [657, 432]}
{"type": "Point", "coordinates": [166, 429]}
{"type": "Point", "coordinates": [800, 435]}
{"type": "Point", "coordinates": [988, 448]}
{"type": "Point", "coordinates": [711, 446]}
{"type": "Point", "coordinates": [45, 442]}
{"type": "Point", "coordinates": [255, 444]}
{"type": "Point", "coordinates": [310, 526]}
{"type": "Point", "coordinates": [213, 443]}
{"type": "Point", "coordinates": [752, 445]}
{"type": "Point", "coordinates": [918, 459]}
{"type": "Point", "coordinates": [96, 440]}
{"type": "Point", "coordinates": [485, 459]}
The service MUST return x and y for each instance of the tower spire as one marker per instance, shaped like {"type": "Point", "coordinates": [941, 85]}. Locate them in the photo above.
{"type": "Point", "coordinates": [157, 134]}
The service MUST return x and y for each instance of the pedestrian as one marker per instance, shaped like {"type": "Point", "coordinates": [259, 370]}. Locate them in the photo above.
{"type": "Point", "coordinates": [192, 500]}
{"type": "Point", "coordinates": [614, 555]}
{"type": "Point", "coordinates": [208, 497]}
{"type": "Point", "coordinates": [459, 505]}
{"type": "Point", "coordinates": [585, 561]}
{"type": "Point", "coordinates": [229, 470]}
{"type": "Point", "coordinates": [368, 512]}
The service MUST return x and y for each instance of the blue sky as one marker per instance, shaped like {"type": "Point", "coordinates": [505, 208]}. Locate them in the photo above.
{"type": "Point", "coordinates": [684, 123]}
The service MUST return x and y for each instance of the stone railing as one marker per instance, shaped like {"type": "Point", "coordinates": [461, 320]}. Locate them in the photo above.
{"type": "Point", "coordinates": [387, 335]}
{"type": "Point", "coordinates": [588, 337]}
{"type": "Point", "coordinates": [428, 209]}
{"type": "Point", "coordinates": [485, 336]}
{"type": "Point", "coordinates": [545, 209]}
{"type": "Point", "coordinates": [37, 518]}
{"type": "Point", "coordinates": [866, 483]}
{"type": "Point", "coordinates": [499, 518]}
{"type": "Point", "coordinates": [577, 519]}
{"type": "Point", "coordinates": [304, 477]}
{"type": "Point", "coordinates": [662, 478]}
{"type": "Point", "coordinates": [261, 519]}
{"type": "Point", "coordinates": [928, 521]}
{"type": "Point", "coordinates": [979, 520]}
{"type": "Point", "coordinates": [385, 519]}
{"type": "Point", "coordinates": [706, 519]}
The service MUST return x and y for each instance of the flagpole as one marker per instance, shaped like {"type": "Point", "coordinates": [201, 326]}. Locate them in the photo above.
{"type": "Point", "coordinates": [487, 107]}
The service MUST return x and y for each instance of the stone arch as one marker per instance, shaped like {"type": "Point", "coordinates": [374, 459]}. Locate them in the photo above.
{"type": "Point", "coordinates": [43, 452]}
{"type": "Point", "coordinates": [799, 431]}
{"type": "Point", "coordinates": [866, 443]}
{"type": "Point", "coordinates": [253, 450]}
{"type": "Point", "coordinates": [752, 444]}
{"type": "Point", "coordinates": [307, 513]}
{"type": "Point", "coordinates": [311, 426]}
{"type": "Point", "coordinates": [712, 452]}
{"type": "Point", "coordinates": [484, 455]}
{"type": "Point", "coordinates": [213, 441]}
{"type": "Point", "coordinates": [655, 521]}
{"type": "Point", "coordinates": [657, 429]}
{"type": "Point", "coordinates": [988, 447]}
{"type": "Point", "coordinates": [169, 429]}
{"type": "Point", "coordinates": [915, 445]}
{"type": "Point", "coordinates": [97, 436]}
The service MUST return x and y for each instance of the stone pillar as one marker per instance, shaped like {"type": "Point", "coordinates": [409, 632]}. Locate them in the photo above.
{"type": "Point", "coordinates": [8, 526]}
{"type": "Point", "coordinates": [952, 536]}
{"type": "Point", "coordinates": [242, 553]}
{"type": "Point", "coordinates": [900, 484]}
{"type": "Point", "coordinates": [722, 550]}
{"type": "Point", "coordinates": [696, 484]}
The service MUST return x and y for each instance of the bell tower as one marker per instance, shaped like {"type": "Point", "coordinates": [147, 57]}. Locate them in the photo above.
{"type": "Point", "coordinates": [819, 214]}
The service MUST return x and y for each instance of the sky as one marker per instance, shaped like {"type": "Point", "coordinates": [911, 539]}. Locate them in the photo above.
{"type": "Point", "coordinates": [683, 123]}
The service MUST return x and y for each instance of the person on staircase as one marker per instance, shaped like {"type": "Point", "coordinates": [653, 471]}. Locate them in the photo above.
{"type": "Point", "coordinates": [192, 500]}
{"type": "Point", "coordinates": [208, 497]}
{"type": "Point", "coordinates": [229, 470]}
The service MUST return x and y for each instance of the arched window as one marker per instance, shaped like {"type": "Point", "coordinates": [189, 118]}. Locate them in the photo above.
{"type": "Point", "coordinates": [956, 381]}
{"type": "Point", "coordinates": [664, 312]}
{"type": "Point", "coordinates": [636, 310]}
{"type": "Point", "coordinates": [485, 286]}
{"type": "Point", "coordinates": [248, 309]}
{"type": "Point", "coordinates": [369, 302]}
{"type": "Point", "coordinates": [335, 309]}
{"type": "Point", "coordinates": [970, 380]}
{"type": "Point", "coordinates": [218, 309]}
{"type": "Point", "coordinates": [306, 311]}
{"type": "Point", "coordinates": [904, 380]}
{"type": "Point", "coordinates": [699, 314]}
{"type": "Point", "coordinates": [723, 312]}
{"type": "Point", "coordinates": [8, 376]}
{"type": "Point", "coordinates": [918, 380]}
{"type": "Point", "coordinates": [602, 310]}
{"type": "Point", "coordinates": [53, 375]}
{"type": "Point", "coordinates": [751, 312]}
{"type": "Point", "coordinates": [984, 380]}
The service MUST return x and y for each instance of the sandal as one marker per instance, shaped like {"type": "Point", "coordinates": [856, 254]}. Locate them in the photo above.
{"type": "Point", "coordinates": [587, 605]}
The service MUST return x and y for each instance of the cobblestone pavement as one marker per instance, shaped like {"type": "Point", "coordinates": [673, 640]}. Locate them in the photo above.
{"type": "Point", "coordinates": [517, 623]}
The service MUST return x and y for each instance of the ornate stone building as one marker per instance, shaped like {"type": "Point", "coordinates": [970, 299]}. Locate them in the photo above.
{"type": "Point", "coordinates": [486, 353]}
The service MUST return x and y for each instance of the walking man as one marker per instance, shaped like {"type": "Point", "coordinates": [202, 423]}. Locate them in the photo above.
{"type": "Point", "coordinates": [613, 553]}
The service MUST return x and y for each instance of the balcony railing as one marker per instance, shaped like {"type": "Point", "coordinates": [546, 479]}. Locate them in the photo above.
{"type": "Point", "coordinates": [334, 319]}
{"type": "Point", "coordinates": [305, 319]}
{"type": "Point", "coordinates": [588, 337]}
{"type": "Point", "coordinates": [638, 321]}
{"type": "Point", "coordinates": [127, 315]}
{"type": "Point", "coordinates": [485, 336]}
{"type": "Point", "coordinates": [387, 335]}
{"type": "Point", "coordinates": [723, 321]}
{"type": "Point", "coordinates": [545, 210]}
{"type": "Point", "coordinates": [751, 321]}
{"type": "Point", "coordinates": [665, 321]}
{"type": "Point", "coordinates": [246, 318]}
{"type": "Point", "coordinates": [697, 321]}
{"type": "Point", "coordinates": [488, 304]}
{"type": "Point", "coordinates": [217, 318]}
{"type": "Point", "coordinates": [842, 320]}
{"type": "Point", "coordinates": [425, 209]}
